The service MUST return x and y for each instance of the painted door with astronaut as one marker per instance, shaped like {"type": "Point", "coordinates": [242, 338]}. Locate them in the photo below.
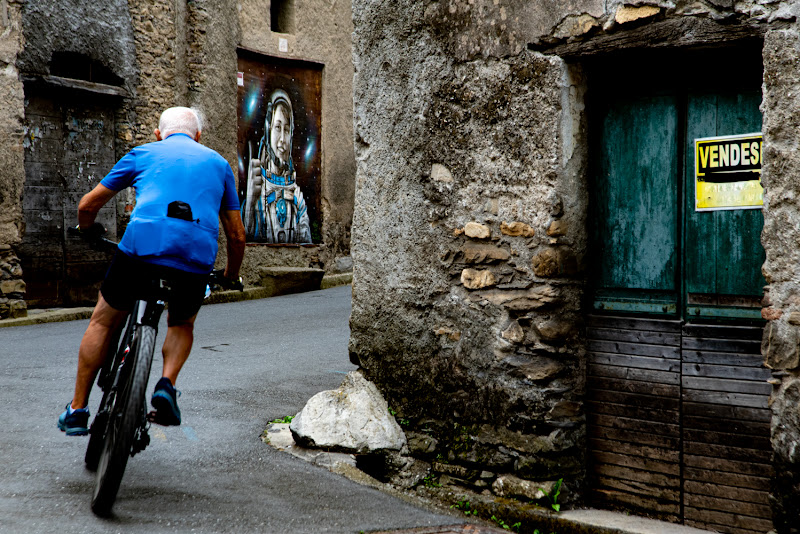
{"type": "Point", "coordinates": [279, 143]}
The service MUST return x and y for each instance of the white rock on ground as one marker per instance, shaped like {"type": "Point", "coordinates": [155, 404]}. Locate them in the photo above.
{"type": "Point", "coordinates": [354, 418]}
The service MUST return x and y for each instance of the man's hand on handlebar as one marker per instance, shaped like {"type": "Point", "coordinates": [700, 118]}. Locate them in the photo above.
{"type": "Point", "coordinates": [219, 280]}
{"type": "Point", "coordinates": [91, 234]}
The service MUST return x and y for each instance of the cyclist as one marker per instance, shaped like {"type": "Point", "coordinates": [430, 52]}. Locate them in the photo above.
{"type": "Point", "coordinates": [183, 190]}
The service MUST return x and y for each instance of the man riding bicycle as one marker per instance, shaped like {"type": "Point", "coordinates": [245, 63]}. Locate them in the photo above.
{"type": "Point", "coordinates": [183, 190]}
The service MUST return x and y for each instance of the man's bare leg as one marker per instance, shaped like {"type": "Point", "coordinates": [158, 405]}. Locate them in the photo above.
{"type": "Point", "coordinates": [94, 347]}
{"type": "Point", "coordinates": [177, 346]}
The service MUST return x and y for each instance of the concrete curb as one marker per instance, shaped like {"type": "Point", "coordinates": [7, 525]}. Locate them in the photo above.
{"type": "Point", "coordinates": [250, 293]}
{"type": "Point", "coordinates": [333, 280]}
{"type": "Point", "coordinates": [48, 316]}
{"type": "Point", "coordinates": [446, 499]}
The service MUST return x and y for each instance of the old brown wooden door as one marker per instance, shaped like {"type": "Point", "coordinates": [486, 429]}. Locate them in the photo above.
{"type": "Point", "coordinates": [677, 393]}
{"type": "Point", "coordinates": [69, 147]}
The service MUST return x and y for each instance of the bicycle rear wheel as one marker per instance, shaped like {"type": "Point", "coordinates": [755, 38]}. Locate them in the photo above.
{"type": "Point", "coordinates": [126, 415]}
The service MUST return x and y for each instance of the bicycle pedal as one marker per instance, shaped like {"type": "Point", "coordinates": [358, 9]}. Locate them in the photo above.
{"type": "Point", "coordinates": [140, 442]}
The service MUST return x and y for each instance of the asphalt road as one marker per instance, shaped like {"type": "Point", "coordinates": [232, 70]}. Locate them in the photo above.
{"type": "Point", "coordinates": [252, 362]}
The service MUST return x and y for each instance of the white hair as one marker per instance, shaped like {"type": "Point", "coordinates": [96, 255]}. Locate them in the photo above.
{"type": "Point", "coordinates": [180, 120]}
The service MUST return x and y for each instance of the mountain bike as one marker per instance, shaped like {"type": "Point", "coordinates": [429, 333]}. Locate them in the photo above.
{"type": "Point", "coordinates": [120, 428]}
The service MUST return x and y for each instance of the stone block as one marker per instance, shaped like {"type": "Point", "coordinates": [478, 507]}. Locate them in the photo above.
{"type": "Point", "coordinates": [354, 418]}
{"type": "Point", "coordinates": [477, 230]}
{"type": "Point", "coordinates": [573, 26]}
{"type": "Point", "coordinates": [421, 444]}
{"type": "Point", "coordinates": [474, 279]}
{"type": "Point", "coordinates": [516, 229]}
{"type": "Point", "coordinates": [452, 335]}
{"type": "Point", "coordinates": [557, 228]}
{"type": "Point", "coordinates": [556, 329]}
{"type": "Point", "coordinates": [540, 369]}
{"type": "Point", "coordinates": [482, 253]}
{"type": "Point", "coordinates": [780, 345]}
{"type": "Point", "coordinates": [455, 470]}
{"type": "Point", "coordinates": [440, 173]}
{"type": "Point", "coordinates": [17, 309]}
{"type": "Point", "coordinates": [565, 409]}
{"type": "Point", "coordinates": [511, 486]}
{"type": "Point", "coordinates": [286, 280]}
{"type": "Point", "coordinates": [627, 14]}
{"type": "Point", "coordinates": [514, 333]}
{"type": "Point", "coordinates": [555, 262]}
{"type": "Point", "coordinates": [8, 287]}
{"type": "Point", "coordinates": [522, 300]}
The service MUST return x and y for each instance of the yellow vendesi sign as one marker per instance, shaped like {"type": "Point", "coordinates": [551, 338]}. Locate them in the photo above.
{"type": "Point", "coordinates": [728, 172]}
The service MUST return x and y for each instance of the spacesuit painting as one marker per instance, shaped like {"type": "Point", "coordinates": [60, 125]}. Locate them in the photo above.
{"type": "Point", "coordinates": [274, 210]}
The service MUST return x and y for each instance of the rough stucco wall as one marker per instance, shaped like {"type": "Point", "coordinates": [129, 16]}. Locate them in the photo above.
{"type": "Point", "coordinates": [438, 172]}
{"type": "Point", "coordinates": [99, 30]}
{"type": "Point", "coordinates": [186, 54]}
{"type": "Point", "coordinates": [495, 28]}
{"type": "Point", "coordinates": [464, 307]}
{"type": "Point", "coordinates": [322, 34]}
{"type": "Point", "coordinates": [12, 173]}
{"type": "Point", "coordinates": [211, 64]}
{"type": "Point", "coordinates": [158, 45]}
{"type": "Point", "coordinates": [780, 236]}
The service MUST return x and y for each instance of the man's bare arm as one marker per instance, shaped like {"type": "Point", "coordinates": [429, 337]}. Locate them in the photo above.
{"type": "Point", "coordinates": [91, 203]}
{"type": "Point", "coordinates": [235, 237]}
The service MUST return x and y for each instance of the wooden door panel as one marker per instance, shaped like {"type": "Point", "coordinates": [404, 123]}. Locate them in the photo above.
{"type": "Point", "coordinates": [722, 249]}
{"type": "Point", "coordinates": [635, 228]}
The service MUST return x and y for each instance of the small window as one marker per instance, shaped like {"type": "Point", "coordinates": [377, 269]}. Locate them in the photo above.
{"type": "Point", "coordinates": [281, 13]}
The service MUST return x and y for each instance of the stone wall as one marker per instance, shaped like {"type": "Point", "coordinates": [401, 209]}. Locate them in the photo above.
{"type": "Point", "coordinates": [781, 234]}
{"type": "Point", "coordinates": [468, 244]}
{"type": "Point", "coordinates": [12, 173]}
{"type": "Point", "coordinates": [470, 224]}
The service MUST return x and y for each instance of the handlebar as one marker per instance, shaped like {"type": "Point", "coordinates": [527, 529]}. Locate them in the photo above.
{"type": "Point", "coordinates": [94, 237]}
{"type": "Point", "coordinates": [217, 280]}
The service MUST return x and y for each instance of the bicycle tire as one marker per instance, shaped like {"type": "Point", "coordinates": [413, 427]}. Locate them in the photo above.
{"type": "Point", "coordinates": [97, 432]}
{"type": "Point", "coordinates": [125, 417]}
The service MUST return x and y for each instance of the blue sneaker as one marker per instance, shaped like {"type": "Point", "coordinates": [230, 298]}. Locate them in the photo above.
{"type": "Point", "coordinates": [166, 404]}
{"type": "Point", "coordinates": [75, 423]}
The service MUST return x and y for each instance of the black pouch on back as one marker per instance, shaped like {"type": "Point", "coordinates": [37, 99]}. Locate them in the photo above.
{"type": "Point", "coordinates": [180, 210]}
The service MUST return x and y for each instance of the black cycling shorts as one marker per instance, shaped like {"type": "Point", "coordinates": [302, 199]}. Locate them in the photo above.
{"type": "Point", "coordinates": [129, 279]}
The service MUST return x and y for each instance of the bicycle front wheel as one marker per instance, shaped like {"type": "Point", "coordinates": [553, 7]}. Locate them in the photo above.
{"type": "Point", "coordinates": [126, 416]}
{"type": "Point", "coordinates": [97, 432]}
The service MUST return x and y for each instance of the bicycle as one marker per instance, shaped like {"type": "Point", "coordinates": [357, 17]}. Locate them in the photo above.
{"type": "Point", "coordinates": [120, 427]}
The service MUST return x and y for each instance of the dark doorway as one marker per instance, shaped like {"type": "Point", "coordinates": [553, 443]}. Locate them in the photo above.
{"type": "Point", "coordinates": [677, 393]}
{"type": "Point", "coordinates": [69, 147]}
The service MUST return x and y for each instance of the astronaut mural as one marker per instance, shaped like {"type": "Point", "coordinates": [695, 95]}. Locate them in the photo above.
{"type": "Point", "coordinates": [279, 152]}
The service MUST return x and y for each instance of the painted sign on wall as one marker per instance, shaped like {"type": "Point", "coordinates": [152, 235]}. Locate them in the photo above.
{"type": "Point", "coordinates": [728, 172]}
{"type": "Point", "coordinates": [279, 110]}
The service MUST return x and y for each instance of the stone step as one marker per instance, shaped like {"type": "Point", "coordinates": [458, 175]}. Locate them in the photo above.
{"type": "Point", "coordinates": [286, 280]}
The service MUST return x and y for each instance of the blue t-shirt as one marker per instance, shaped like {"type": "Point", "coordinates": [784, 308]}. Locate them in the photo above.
{"type": "Point", "coordinates": [176, 169]}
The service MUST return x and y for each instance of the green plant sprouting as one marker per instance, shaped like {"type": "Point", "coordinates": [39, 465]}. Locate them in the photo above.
{"type": "Point", "coordinates": [502, 524]}
{"type": "Point", "coordinates": [552, 496]}
{"type": "Point", "coordinates": [283, 420]}
{"type": "Point", "coordinates": [431, 481]}
{"type": "Point", "coordinates": [465, 507]}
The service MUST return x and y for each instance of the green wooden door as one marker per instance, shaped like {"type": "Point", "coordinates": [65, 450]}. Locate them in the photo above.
{"type": "Point", "coordinates": [723, 251]}
{"type": "Point", "coordinates": [654, 253]}
{"type": "Point", "coordinates": [636, 197]}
